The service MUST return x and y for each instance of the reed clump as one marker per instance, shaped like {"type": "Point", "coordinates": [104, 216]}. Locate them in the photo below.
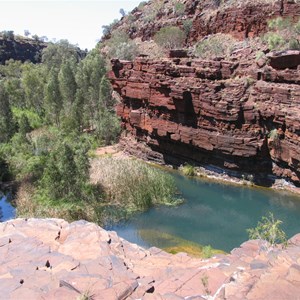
{"type": "Point", "coordinates": [132, 184]}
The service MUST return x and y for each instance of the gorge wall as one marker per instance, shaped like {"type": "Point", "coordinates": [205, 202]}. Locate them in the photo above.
{"type": "Point", "coordinates": [236, 112]}
{"type": "Point", "coordinates": [232, 114]}
{"type": "Point", "coordinates": [23, 49]}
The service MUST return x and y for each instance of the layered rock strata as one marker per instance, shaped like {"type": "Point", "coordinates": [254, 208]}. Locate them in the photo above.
{"type": "Point", "coordinates": [52, 259]}
{"type": "Point", "coordinates": [230, 114]}
{"type": "Point", "coordinates": [241, 19]}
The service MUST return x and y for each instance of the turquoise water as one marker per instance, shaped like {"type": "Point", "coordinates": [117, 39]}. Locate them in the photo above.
{"type": "Point", "coordinates": [214, 214]}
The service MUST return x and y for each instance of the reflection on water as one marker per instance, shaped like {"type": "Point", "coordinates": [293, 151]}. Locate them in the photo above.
{"type": "Point", "coordinates": [214, 214]}
{"type": "Point", "coordinates": [7, 211]}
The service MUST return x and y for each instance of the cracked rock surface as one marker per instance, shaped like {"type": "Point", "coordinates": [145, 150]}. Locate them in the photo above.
{"type": "Point", "coordinates": [52, 259]}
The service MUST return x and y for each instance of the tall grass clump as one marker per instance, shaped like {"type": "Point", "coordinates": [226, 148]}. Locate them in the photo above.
{"type": "Point", "coordinates": [188, 170]}
{"type": "Point", "coordinates": [133, 185]}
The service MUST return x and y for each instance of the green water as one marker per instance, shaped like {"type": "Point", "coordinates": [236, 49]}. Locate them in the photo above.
{"type": "Point", "coordinates": [213, 214]}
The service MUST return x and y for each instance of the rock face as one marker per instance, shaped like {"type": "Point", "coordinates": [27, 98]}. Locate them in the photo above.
{"type": "Point", "coordinates": [241, 19]}
{"type": "Point", "coordinates": [22, 49]}
{"type": "Point", "coordinates": [231, 114]}
{"type": "Point", "coordinates": [51, 259]}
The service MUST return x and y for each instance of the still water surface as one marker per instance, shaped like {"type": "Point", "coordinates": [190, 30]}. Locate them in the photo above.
{"type": "Point", "coordinates": [7, 211]}
{"type": "Point", "coordinates": [213, 214]}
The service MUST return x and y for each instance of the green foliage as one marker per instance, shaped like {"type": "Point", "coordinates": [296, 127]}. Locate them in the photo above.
{"type": "Point", "coordinates": [33, 83]}
{"type": "Point", "coordinates": [107, 29]}
{"type": "Point", "coordinates": [273, 134]}
{"type": "Point", "coordinates": [170, 37]}
{"type": "Point", "coordinates": [207, 251]}
{"type": "Point", "coordinates": [187, 26]}
{"type": "Point", "coordinates": [132, 184]}
{"type": "Point", "coordinates": [179, 8]}
{"type": "Point", "coordinates": [6, 120]}
{"type": "Point", "coordinates": [55, 54]}
{"type": "Point", "coordinates": [214, 46]}
{"type": "Point", "coordinates": [279, 23]}
{"type": "Point", "coordinates": [53, 98]}
{"type": "Point", "coordinates": [188, 170]}
{"type": "Point", "coordinates": [151, 11]}
{"type": "Point", "coordinates": [274, 40]}
{"type": "Point", "coordinates": [121, 46]}
{"type": "Point", "coordinates": [108, 127]}
{"type": "Point", "coordinates": [20, 155]}
{"type": "Point", "coordinates": [61, 179]}
{"type": "Point", "coordinates": [45, 110]}
{"type": "Point", "coordinates": [283, 35]}
{"type": "Point", "coordinates": [260, 55]}
{"type": "Point", "coordinates": [269, 230]}
{"type": "Point", "coordinates": [34, 120]}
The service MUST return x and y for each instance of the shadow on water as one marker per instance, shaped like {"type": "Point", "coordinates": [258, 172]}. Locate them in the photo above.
{"type": "Point", "coordinates": [7, 211]}
{"type": "Point", "coordinates": [213, 214]}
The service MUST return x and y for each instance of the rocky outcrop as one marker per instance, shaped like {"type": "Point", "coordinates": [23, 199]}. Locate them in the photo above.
{"type": "Point", "coordinates": [241, 19]}
{"type": "Point", "coordinates": [230, 114]}
{"type": "Point", "coordinates": [284, 59]}
{"type": "Point", "coordinates": [52, 259]}
{"type": "Point", "coordinates": [23, 49]}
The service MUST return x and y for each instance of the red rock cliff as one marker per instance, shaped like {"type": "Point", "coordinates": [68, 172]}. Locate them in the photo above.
{"type": "Point", "coordinates": [210, 112]}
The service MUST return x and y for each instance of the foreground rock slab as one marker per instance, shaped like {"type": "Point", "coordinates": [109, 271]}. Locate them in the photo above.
{"type": "Point", "coordinates": [52, 259]}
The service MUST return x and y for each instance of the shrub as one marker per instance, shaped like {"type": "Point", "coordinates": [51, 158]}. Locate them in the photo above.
{"type": "Point", "coordinates": [274, 40]}
{"type": "Point", "coordinates": [187, 26]}
{"type": "Point", "coordinates": [122, 47]}
{"type": "Point", "coordinates": [179, 8]}
{"type": "Point", "coordinates": [170, 37]}
{"type": "Point", "coordinates": [283, 34]}
{"type": "Point", "coordinates": [214, 46]}
{"type": "Point", "coordinates": [269, 230]}
{"type": "Point", "coordinates": [188, 170]}
{"type": "Point", "coordinates": [207, 251]}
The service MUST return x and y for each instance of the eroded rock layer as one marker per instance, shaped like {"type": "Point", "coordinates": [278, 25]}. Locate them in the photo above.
{"type": "Point", "coordinates": [52, 259]}
{"type": "Point", "coordinates": [241, 19]}
{"type": "Point", "coordinates": [230, 114]}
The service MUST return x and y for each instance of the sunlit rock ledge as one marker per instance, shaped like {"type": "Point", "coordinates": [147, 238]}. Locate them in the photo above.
{"type": "Point", "coordinates": [52, 259]}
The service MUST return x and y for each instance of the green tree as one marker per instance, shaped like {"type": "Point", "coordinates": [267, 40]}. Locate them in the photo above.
{"type": "Point", "coordinates": [33, 83]}
{"type": "Point", "coordinates": [11, 73]}
{"type": "Point", "coordinates": [6, 119]}
{"type": "Point", "coordinates": [24, 126]}
{"type": "Point", "coordinates": [66, 173]}
{"type": "Point", "coordinates": [56, 53]}
{"type": "Point", "coordinates": [105, 93]}
{"type": "Point", "coordinates": [88, 78]}
{"type": "Point", "coordinates": [53, 99]}
{"type": "Point", "coordinates": [67, 84]}
{"type": "Point", "coordinates": [108, 127]}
